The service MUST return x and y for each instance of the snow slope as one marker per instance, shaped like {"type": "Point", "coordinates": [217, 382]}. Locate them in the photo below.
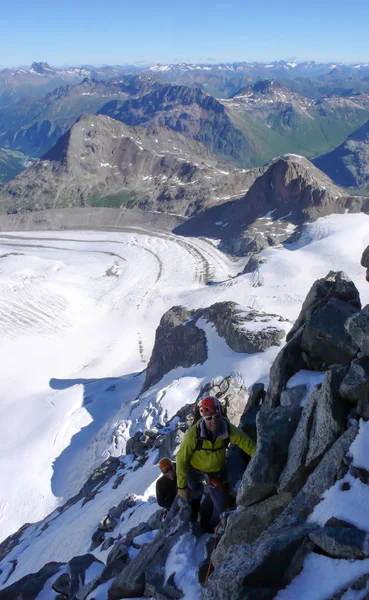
{"type": "Point", "coordinates": [79, 312]}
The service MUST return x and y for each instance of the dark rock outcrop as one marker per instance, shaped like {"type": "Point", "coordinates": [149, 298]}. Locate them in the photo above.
{"type": "Point", "coordinates": [275, 428]}
{"type": "Point", "coordinates": [323, 420]}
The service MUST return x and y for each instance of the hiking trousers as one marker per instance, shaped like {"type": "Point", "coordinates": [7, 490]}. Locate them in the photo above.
{"type": "Point", "coordinates": [219, 494]}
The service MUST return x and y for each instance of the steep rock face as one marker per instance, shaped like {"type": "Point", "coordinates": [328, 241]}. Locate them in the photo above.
{"type": "Point", "coordinates": [102, 162]}
{"type": "Point", "coordinates": [178, 343]}
{"type": "Point", "coordinates": [348, 164]}
{"type": "Point", "coordinates": [288, 193]}
{"type": "Point", "coordinates": [320, 337]}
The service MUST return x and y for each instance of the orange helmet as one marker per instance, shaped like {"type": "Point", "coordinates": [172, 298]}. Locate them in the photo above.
{"type": "Point", "coordinates": [209, 406]}
{"type": "Point", "coordinates": [165, 464]}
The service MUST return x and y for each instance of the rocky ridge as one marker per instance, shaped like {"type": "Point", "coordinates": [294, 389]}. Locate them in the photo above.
{"type": "Point", "coordinates": [288, 194]}
{"type": "Point", "coordinates": [102, 162]}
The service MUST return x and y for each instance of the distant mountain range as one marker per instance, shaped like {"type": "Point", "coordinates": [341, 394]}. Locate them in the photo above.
{"type": "Point", "coordinates": [319, 111]}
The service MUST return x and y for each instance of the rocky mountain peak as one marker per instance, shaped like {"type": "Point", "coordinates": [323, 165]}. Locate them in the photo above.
{"type": "Point", "coordinates": [40, 67]}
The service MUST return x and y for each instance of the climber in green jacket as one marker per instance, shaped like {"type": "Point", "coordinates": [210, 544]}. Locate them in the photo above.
{"type": "Point", "coordinates": [202, 456]}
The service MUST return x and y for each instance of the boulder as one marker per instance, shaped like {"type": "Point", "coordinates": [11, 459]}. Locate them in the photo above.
{"type": "Point", "coordinates": [334, 285]}
{"type": "Point", "coordinates": [238, 327]}
{"type": "Point", "coordinates": [267, 563]}
{"type": "Point", "coordinates": [275, 428]}
{"type": "Point", "coordinates": [245, 525]}
{"type": "Point", "coordinates": [77, 568]}
{"type": "Point", "coordinates": [325, 336]}
{"type": "Point", "coordinates": [178, 343]}
{"type": "Point", "coordinates": [322, 421]}
{"type": "Point", "coordinates": [355, 386]}
{"type": "Point", "coordinates": [358, 328]}
{"type": "Point", "coordinates": [365, 261]}
{"type": "Point", "coordinates": [31, 585]}
{"type": "Point", "coordinates": [288, 361]}
{"type": "Point", "coordinates": [342, 542]}
{"type": "Point", "coordinates": [293, 396]}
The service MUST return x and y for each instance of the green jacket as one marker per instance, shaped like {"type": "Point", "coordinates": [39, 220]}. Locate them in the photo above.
{"type": "Point", "coordinates": [211, 457]}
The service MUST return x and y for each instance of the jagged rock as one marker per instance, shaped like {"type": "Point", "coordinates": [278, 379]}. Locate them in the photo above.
{"type": "Point", "coordinates": [358, 328]}
{"type": "Point", "coordinates": [120, 557]}
{"type": "Point", "coordinates": [128, 502]}
{"type": "Point", "coordinates": [256, 397]}
{"type": "Point", "coordinates": [254, 264]}
{"type": "Point", "coordinates": [360, 585]}
{"type": "Point", "coordinates": [118, 481]}
{"type": "Point", "coordinates": [178, 343]}
{"type": "Point", "coordinates": [334, 285]}
{"type": "Point", "coordinates": [171, 588]}
{"type": "Point", "coordinates": [365, 261]}
{"type": "Point", "coordinates": [334, 522]}
{"type": "Point", "coordinates": [321, 479]}
{"type": "Point", "coordinates": [245, 243]}
{"type": "Point", "coordinates": [289, 360]}
{"type": "Point", "coordinates": [29, 587]}
{"type": "Point", "coordinates": [246, 525]}
{"type": "Point", "coordinates": [108, 543]}
{"type": "Point", "coordinates": [139, 444]}
{"type": "Point", "coordinates": [62, 584]}
{"type": "Point", "coordinates": [145, 574]}
{"type": "Point", "coordinates": [266, 563]}
{"type": "Point", "coordinates": [360, 473]}
{"type": "Point", "coordinates": [77, 568]}
{"type": "Point", "coordinates": [171, 443]}
{"type": "Point", "coordinates": [155, 519]}
{"type": "Point", "coordinates": [108, 523]}
{"type": "Point", "coordinates": [231, 392]}
{"type": "Point", "coordinates": [231, 322]}
{"type": "Point", "coordinates": [322, 421]}
{"type": "Point", "coordinates": [342, 542]}
{"type": "Point", "coordinates": [325, 336]}
{"type": "Point", "coordinates": [97, 538]}
{"type": "Point", "coordinates": [275, 428]}
{"type": "Point", "coordinates": [135, 531]}
{"type": "Point", "coordinates": [355, 386]}
{"type": "Point", "coordinates": [293, 396]}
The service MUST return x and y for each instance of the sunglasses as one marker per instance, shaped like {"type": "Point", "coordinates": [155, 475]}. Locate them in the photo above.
{"type": "Point", "coordinates": [217, 416]}
{"type": "Point", "coordinates": [166, 470]}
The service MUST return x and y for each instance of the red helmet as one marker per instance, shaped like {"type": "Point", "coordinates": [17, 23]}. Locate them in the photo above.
{"type": "Point", "coordinates": [165, 464]}
{"type": "Point", "coordinates": [209, 406]}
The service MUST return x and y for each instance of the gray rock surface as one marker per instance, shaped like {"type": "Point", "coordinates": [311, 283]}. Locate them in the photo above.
{"type": "Point", "coordinates": [178, 343]}
{"type": "Point", "coordinates": [334, 285]}
{"type": "Point", "coordinates": [355, 386]}
{"type": "Point", "coordinates": [322, 421]}
{"type": "Point", "coordinates": [365, 261]}
{"type": "Point", "coordinates": [325, 336]}
{"type": "Point", "coordinates": [231, 322]}
{"type": "Point", "coordinates": [245, 525]}
{"type": "Point", "coordinates": [252, 565]}
{"type": "Point", "coordinates": [275, 428]}
{"type": "Point", "coordinates": [342, 542]}
{"type": "Point", "coordinates": [321, 479]}
{"type": "Point", "coordinates": [145, 574]}
{"type": "Point", "coordinates": [289, 360]}
{"type": "Point", "coordinates": [358, 328]}
{"type": "Point", "coordinates": [293, 396]}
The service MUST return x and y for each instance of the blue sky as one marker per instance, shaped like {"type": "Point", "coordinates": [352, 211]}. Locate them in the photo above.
{"type": "Point", "coordinates": [121, 32]}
